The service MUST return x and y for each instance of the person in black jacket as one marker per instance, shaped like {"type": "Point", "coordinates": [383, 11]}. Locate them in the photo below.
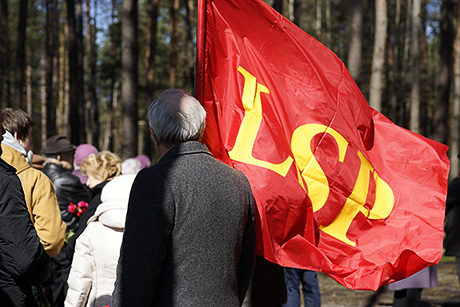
{"type": "Point", "coordinates": [58, 167]}
{"type": "Point", "coordinates": [23, 260]}
{"type": "Point", "coordinates": [452, 225]}
{"type": "Point", "coordinates": [69, 191]}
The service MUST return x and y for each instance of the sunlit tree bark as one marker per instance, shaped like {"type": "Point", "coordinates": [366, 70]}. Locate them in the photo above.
{"type": "Point", "coordinates": [378, 56]}
{"type": "Point", "coordinates": [318, 21]}
{"type": "Point", "coordinates": [355, 50]}
{"type": "Point", "coordinates": [29, 83]}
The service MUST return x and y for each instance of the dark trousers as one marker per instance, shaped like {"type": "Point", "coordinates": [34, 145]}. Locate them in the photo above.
{"type": "Point", "coordinates": [407, 297]}
{"type": "Point", "coordinates": [60, 269]}
{"type": "Point", "coordinates": [310, 287]}
{"type": "Point", "coordinates": [457, 260]}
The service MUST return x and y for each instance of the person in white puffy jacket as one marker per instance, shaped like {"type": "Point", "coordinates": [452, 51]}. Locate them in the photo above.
{"type": "Point", "coordinates": [94, 265]}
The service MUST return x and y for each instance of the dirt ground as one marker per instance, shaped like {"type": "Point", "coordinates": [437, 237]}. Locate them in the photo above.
{"type": "Point", "coordinates": [447, 294]}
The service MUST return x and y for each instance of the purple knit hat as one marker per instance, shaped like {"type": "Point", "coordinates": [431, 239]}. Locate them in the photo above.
{"type": "Point", "coordinates": [82, 151]}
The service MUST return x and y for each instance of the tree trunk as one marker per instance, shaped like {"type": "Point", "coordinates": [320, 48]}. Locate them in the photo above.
{"type": "Point", "coordinates": [149, 60]}
{"type": "Point", "coordinates": [4, 51]}
{"type": "Point", "coordinates": [427, 99]}
{"type": "Point", "coordinates": [402, 76]}
{"type": "Point", "coordinates": [92, 131]}
{"type": "Point", "coordinates": [150, 52]}
{"type": "Point", "coordinates": [56, 63]}
{"type": "Point", "coordinates": [29, 83]}
{"type": "Point", "coordinates": [355, 51]}
{"type": "Point", "coordinates": [278, 6]}
{"type": "Point", "coordinates": [64, 100]}
{"type": "Point", "coordinates": [296, 11]}
{"type": "Point", "coordinates": [290, 5]}
{"type": "Point", "coordinates": [48, 62]}
{"type": "Point", "coordinates": [43, 102]}
{"type": "Point", "coordinates": [109, 140]}
{"type": "Point", "coordinates": [328, 25]}
{"type": "Point", "coordinates": [80, 133]}
{"type": "Point", "coordinates": [173, 12]}
{"type": "Point", "coordinates": [394, 73]}
{"type": "Point", "coordinates": [445, 72]}
{"type": "Point", "coordinates": [74, 93]}
{"type": "Point", "coordinates": [378, 56]}
{"type": "Point", "coordinates": [190, 58]}
{"type": "Point", "coordinates": [129, 51]}
{"type": "Point", "coordinates": [20, 54]}
{"type": "Point", "coordinates": [454, 150]}
{"type": "Point", "coordinates": [415, 92]}
{"type": "Point", "coordinates": [318, 20]}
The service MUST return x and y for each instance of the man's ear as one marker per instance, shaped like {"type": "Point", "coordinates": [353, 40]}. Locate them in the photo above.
{"type": "Point", "coordinates": [154, 137]}
{"type": "Point", "coordinates": [58, 157]}
{"type": "Point", "coordinates": [16, 136]}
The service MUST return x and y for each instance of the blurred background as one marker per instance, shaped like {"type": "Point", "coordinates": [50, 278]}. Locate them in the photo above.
{"type": "Point", "coordinates": [88, 69]}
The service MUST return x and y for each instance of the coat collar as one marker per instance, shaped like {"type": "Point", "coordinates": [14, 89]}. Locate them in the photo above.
{"type": "Point", "coordinates": [186, 148]}
{"type": "Point", "coordinates": [9, 140]}
{"type": "Point", "coordinates": [14, 158]}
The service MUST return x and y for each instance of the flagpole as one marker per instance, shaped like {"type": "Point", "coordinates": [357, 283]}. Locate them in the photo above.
{"type": "Point", "coordinates": [200, 48]}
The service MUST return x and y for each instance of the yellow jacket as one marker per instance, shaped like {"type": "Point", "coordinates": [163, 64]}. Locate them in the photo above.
{"type": "Point", "coordinates": [41, 201]}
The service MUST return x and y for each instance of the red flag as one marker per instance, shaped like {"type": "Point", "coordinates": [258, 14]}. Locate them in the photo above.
{"type": "Point", "coordinates": [339, 188]}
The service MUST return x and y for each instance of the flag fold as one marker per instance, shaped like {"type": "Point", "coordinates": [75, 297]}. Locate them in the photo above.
{"type": "Point", "coordinates": [339, 188]}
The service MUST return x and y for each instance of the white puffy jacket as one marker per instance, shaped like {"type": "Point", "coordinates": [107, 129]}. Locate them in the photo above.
{"type": "Point", "coordinates": [94, 266]}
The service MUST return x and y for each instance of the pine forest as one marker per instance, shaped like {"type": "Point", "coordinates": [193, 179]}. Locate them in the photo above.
{"type": "Point", "coordinates": [88, 69]}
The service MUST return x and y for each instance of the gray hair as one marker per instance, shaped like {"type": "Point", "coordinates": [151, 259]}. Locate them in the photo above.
{"type": "Point", "coordinates": [176, 117]}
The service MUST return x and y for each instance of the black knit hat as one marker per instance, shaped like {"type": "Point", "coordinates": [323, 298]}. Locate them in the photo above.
{"type": "Point", "coordinates": [57, 144]}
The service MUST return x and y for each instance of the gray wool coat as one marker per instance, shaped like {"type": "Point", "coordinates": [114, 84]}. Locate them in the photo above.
{"type": "Point", "coordinates": [190, 237]}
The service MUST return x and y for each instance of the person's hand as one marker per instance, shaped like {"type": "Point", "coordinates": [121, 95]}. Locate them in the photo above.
{"type": "Point", "coordinates": [38, 161]}
{"type": "Point", "coordinates": [66, 165]}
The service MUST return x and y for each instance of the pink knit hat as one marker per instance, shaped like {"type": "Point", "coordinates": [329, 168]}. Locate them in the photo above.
{"type": "Point", "coordinates": [145, 161]}
{"type": "Point", "coordinates": [82, 151]}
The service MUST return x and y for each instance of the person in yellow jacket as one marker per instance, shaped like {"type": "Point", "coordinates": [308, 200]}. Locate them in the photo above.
{"type": "Point", "coordinates": [38, 189]}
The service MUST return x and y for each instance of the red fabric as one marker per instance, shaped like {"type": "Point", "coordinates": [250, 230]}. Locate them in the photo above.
{"type": "Point", "coordinates": [357, 197]}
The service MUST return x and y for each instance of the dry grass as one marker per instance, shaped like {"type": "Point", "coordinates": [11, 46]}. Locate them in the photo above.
{"type": "Point", "coordinates": [447, 294]}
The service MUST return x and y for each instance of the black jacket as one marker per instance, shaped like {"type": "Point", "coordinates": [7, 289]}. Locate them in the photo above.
{"type": "Point", "coordinates": [69, 189]}
{"type": "Point", "coordinates": [452, 225]}
{"type": "Point", "coordinates": [96, 192]}
{"type": "Point", "coordinates": [23, 260]}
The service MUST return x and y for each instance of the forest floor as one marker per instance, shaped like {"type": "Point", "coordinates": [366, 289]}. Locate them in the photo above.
{"type": "Point", "coordinates": [447, 294]}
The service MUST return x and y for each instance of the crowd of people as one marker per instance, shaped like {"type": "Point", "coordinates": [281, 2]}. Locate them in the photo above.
{"type": "Point", "coordinates": [47, 202]}
{"type": "Point", "coordinates": [81, 227]}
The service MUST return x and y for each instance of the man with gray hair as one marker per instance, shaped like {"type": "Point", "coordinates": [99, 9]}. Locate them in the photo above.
{"type": "Point", "coordinates": [190, 237]}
